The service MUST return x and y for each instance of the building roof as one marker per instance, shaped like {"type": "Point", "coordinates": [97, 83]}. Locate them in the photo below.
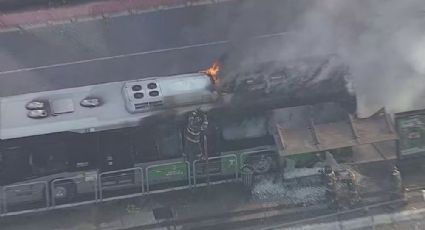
{"type": "Point", "coordinates": [15, 123]}
{"type": "Point", "coordinates": [332, 135]}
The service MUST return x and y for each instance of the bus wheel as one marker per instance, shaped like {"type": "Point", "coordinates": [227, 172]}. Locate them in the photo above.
{"type": "Point", "coordinates": [262, 165]}
{"type": "Point", "coordinates": [64, 191]}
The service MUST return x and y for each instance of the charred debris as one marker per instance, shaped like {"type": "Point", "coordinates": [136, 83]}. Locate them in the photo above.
{"type": "Point", "coordinates": [255, 101]}
{"type": "Point", "coordinates": [277, 84]}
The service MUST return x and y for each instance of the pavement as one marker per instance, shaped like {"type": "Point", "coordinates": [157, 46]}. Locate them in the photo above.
{"type": "Point", "coordinates": [195, 208]}
{"type": "Point", "coordinates": [127, 213]}
{"type": "Point", "coordinates": [386, 216]}
{"type": "Point", "coordinates": [220, 206]}
{"type": "Point", "coordinates": [45, 15]}
{"type": "Point", "coordinates": [163, 42]}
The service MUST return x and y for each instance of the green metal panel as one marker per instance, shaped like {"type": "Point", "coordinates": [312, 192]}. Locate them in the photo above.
{"type": "Point", "coordinates": [223, 165]}
{"type": "Point", "coordinates": [304, 159]}
{"type": "Point", "coordinates": [229, 164]}
{"type": "Point", "coordinates": [167, 173]}
{"type": "Point", "coordinates": [242, 159]}
{"type": "Point", "coordinates": [411, 130]}
{"type": "Point", "coordinates": [244, 156]}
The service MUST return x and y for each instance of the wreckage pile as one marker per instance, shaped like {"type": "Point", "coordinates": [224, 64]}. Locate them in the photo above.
{"type": "Point", "coordinates": [302, 187]}
{"type": "Point", "coordinates": [338, 186]}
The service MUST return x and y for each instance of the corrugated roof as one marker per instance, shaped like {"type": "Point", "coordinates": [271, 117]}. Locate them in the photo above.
{"type": "Point", "coordinates": [333, 135]}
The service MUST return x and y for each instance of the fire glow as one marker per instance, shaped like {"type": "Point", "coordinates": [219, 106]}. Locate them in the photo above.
{"type": "Point", "coordinates": [212, 72]}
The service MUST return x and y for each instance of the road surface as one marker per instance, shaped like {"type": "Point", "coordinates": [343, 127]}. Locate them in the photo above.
{"type": "Point", "coordinates": [136, 46]}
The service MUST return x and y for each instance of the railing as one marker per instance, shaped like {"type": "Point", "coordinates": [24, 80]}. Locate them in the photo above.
{"type": "Point", "coordinates": [22, 197]}
{"type": "Point", "coordinates": [178, 175]}
{"type": "Point", "coordinates": [65, 190]}
{"type": "Point", "coordinates": [244, 155]}
{"type": "Point", "coordinates": [126, 178]}
{"type": "Point", "coordinates": [91, 187]}
{"type": "Point", "coordinates": [220, 168]}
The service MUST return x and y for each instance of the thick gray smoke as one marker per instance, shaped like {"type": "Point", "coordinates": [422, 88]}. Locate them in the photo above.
{"type": "Point", "coordinates": [383, 42]}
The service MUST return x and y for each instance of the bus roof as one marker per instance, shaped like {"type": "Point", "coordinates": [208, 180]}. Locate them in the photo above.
{"type": "Point", "coordinates": [111, 114]}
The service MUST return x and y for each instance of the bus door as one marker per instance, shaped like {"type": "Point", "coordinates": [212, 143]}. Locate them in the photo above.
{"type": "Point", "coordinates": [213, 166]}
{"type": "Point", "coordinates": [116, 155]}
{"type": "Point", "coordinates": [83, 152]}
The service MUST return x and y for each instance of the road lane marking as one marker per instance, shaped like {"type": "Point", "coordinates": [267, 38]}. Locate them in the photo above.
{"type": "Point", "coordinates": [111, 57]}
{"type": "Point", "coordinates": [141, 53]}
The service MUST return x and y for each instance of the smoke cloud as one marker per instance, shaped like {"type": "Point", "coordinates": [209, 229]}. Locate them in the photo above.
{"type": "Point", "coordinates": [382, 41]}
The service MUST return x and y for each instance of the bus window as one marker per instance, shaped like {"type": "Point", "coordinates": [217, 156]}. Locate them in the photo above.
{"type": "Point", "coordinates": [169, 142]}
{"type": "Point", "coordinates": [49, 157]}
{"type": "Point", "coordinates": [161, 142]}
{"type": "Point", "coordinates": [213, 140]}
{"type": "Point", "coordinates": [145, 148]}
{"type": "Point", "coordinates": [245, 133]}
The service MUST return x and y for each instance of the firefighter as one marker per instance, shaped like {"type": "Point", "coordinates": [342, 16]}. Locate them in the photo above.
{"type": "Point", "coordinates": [397, 183]}
{"type": "Point", "coordinates": [329, 178]}
{"type": "Point", "coordinates": [197, 124]}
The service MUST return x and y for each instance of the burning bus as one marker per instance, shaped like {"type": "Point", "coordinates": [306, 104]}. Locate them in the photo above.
{"type": "Point", "coordinates": [132, 134]}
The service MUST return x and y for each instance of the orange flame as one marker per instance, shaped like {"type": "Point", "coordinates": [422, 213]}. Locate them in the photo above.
{"type": "Point", "coordinates": [212, 72]}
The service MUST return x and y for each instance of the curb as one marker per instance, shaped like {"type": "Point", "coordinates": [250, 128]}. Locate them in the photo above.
{"type": "Point", "coordinates": [91, 11]}
{"type": "Point", "coordinates": [351, 223]}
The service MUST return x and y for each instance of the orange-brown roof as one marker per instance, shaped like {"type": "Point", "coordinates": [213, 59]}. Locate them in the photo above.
{"type": "Point", "coordinates": [326, 136]}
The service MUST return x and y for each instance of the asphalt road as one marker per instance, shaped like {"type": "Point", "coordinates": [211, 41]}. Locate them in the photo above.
{"type": "Point", "coordinates": [151, 44]}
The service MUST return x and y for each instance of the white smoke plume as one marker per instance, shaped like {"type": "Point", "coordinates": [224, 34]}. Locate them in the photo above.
{"type": "Point", "coordinates": [383, 42]}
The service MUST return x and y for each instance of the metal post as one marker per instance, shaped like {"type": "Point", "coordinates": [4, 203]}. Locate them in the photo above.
{"type": "Point", "coordinates": [52, 192]}
{"type": "Point", "coordinates": [194, 172]}
{"type": "Point", "coordinates": [147, 179]}
{"type": "Point", "coordinates": [46, 195]}
{"type": "Point", "coordinates": [204, 132]}
{"type": "Point", "coordinates": [142, 179]}
{"type": "Point", "coordinates": [189, 173]}
{"type": "Point", "coordinates": [236, 168]}
{"type": "Point", "coordinates": [207, 168]}
{"type": "Point", "coordinates": [4, 201]}
{"type": "Point", "coordinates": [100, 187]}
{"type": "Point", "coordinates": [96, 186]}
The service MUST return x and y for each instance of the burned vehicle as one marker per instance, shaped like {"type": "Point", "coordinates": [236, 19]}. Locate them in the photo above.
{"type": "Point", "coordinates": [308, 81]}
{"type": "Point", "coordinates": [110, 137]}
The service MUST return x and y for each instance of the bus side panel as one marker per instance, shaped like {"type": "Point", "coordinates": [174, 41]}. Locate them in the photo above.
{"type": "Point", "coordinates": [166, 173]}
